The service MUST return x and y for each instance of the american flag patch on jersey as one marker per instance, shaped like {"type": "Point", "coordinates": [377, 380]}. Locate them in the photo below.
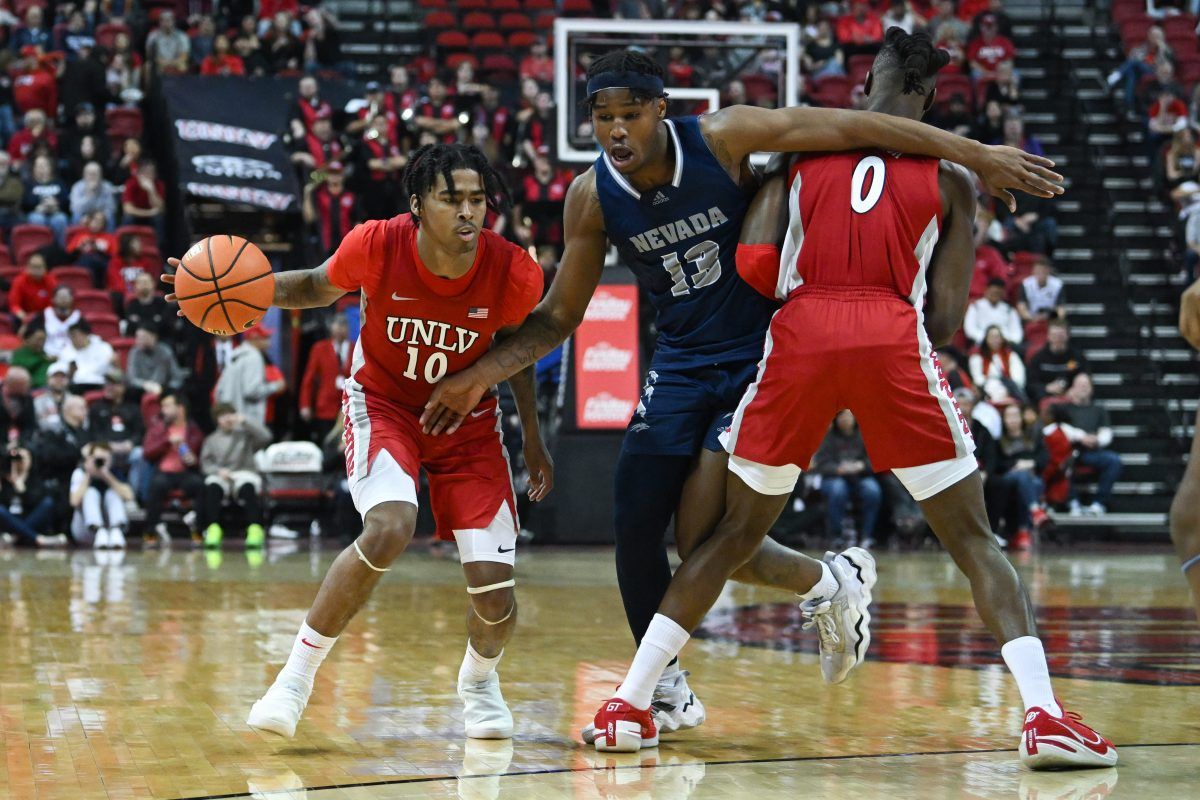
{"type": "Point", "coordinates": [477, 312]}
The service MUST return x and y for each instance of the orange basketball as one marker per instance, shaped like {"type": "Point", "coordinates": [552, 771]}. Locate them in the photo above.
{"type": "Point", "coordinates": [224, 285]}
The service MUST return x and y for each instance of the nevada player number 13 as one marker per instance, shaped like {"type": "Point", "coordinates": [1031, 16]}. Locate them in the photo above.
{"type": "Point", "coordinates": [704, 258]}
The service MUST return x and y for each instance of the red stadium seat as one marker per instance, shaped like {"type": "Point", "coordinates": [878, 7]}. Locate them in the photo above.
{"type": "Point", "coordinates": [144, 232]}
{"type": "Point", "coordinates": [515, 22]}
{"type": "Point", "coordinates": [124, 123]}
{"type": "Point", "coordinates": [473, 5]}
{"type": "Point", "coordinates": [9, 273]}
{"type": "Point", "coordinates": [760, 86]}
{"type": "Point", "coordinates": [5, 256]}
{"type": "Point", "coordinates": [1188, 71]}
{"type": "Point", "coordinates": [6, 330]}
{"type": "Point", "coordinates": [832, 91]}
{"type": "Point", "coordinates": [433, 3]}
{"type": "Point", "coordinates": [1179, 25]}
{"type": "Point", "coordinates": [21, 6]}
{"type": "Point", "coordinates": [544, 22]}
{"type": "Point", "coordinates": [79, 279]}
{"type": "Point", "coordinates": [1184, 44]}
{"type": "Point", "coordinates": [453, 40]}
{"type": "Point", "coordinates": [950, 85]}
{"type": "Point", "coordinates": [521, 40]}
{"type": "Point", "coordinates": [455, 59]}
{"type": "Point", "coordinates": [121, 348]}
{"type": "Point", "coordinates": [106, 326]}
{"type": "Point", "coordinates": [857, 67]}
{"type": "Point", "coordinates": [539, 5]}
{"type": "Point", "coordinates": [1133, 32]}
{"type": "Point", "coordinates": [500, 68]}
{"type": "Point", "coordinates": [25, 239]}
{"type": "Point", "coordinates": [505, 5]}
{"type": "Point", "coordinates": [577, 8]}
{"type": "Point", "coordinates": [478, 21]}
{"type": "Point", "coordinates": [487, 40]}
{"type": "Point", "coordinates": [92, 301]}
{"type": "Point", "coordinates": [106, 34]}
{"type": "Point", "coordinates": [440, 20]}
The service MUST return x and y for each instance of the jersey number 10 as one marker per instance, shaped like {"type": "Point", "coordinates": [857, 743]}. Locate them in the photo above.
{"type": "Point", "coordinates": [874, 167]}
{"type": "Point", "coordinates": [435, 366]}
{"type": "Point", "coordinates": [706, 264]}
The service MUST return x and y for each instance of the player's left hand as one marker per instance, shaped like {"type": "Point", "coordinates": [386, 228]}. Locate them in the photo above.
{"type": "Point", "coordinates": [169, 279]}
{"type": "Point", "coordinates": [1003, 168]}
{"type": "Point", "coordinates": [453, 398]}
{"type": "Point", "coordinates": [1189, 315]}
{"type": "Point", "coordinates": [540, 466]}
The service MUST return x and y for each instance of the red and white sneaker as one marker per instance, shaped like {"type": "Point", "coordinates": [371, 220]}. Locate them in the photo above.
{"type": "Point", "coordinates": [621, 728]}
{"type": "Point", "coordinates": [1050, 742]}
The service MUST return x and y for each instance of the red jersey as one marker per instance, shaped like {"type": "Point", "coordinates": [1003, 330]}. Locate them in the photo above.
{"type": "Point", "coordinates": [991, 54]}
{"type": "Point", "coordinates": [859, 218]}
{"type": "Point", "coordinates": [417, 328]}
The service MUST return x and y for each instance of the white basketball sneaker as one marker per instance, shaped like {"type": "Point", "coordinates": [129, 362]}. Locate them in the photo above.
{"type": "Point", "coordinates": [843, 621]}
{"type": "Point", "coordinates": [102, 539]}
{"type": "Point", "coordinates": [116, 538]}
{"type": "Point", "coordinates": [280, 708]}
{"type": "Point", "coordinates": [485, 714]}
{"type": "Point", "coordinates": [674, 707]}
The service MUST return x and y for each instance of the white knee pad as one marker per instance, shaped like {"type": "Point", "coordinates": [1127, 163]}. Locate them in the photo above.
{"type": "Point", "coordinates": [932, 479]}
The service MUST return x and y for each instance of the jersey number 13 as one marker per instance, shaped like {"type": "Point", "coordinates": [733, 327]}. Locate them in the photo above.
{"type": "Point", "coordinates": [706, 268]}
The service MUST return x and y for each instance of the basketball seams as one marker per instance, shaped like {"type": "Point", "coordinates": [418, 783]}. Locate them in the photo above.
{"type": "Point", "coordinates": [260, 276]}
{"type": "Point", "coordinates": [232, 263]}
{"type": "Point", "coordinates": [217, 286]}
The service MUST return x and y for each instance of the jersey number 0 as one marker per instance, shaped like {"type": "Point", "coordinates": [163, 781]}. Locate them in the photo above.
{"type": "Point", "coordinates": [870, 169]}
{"type": "Point", "coordinates": [706, 264]}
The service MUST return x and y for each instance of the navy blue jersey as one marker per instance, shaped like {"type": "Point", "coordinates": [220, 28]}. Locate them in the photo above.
{"type": "Point", "coordinates": [680, 240]}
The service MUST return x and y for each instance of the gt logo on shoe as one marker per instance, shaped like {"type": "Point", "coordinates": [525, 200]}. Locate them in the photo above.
{"type": "Point", "coordinates": [1030, 717]}
{"type": "Point", "coordinates": [613, 707]}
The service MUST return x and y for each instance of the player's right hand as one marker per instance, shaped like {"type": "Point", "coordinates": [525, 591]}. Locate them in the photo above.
{"type": "Point", "coordinates": [1189, 315]}
{"type": "Point", "coordinates": [453, 398]}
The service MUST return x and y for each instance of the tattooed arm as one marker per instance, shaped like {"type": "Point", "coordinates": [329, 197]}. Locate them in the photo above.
{"type": "Point", "coordinates": [297, 288]}
{"type": "Point", "coordinates": [733, 133]}
{"type": "Point", "coordinates": [552, 321]}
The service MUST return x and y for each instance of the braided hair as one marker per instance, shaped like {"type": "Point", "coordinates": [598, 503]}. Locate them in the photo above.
{"type": "Point", "coordinates": [626, 61]}
{"type": "Point", "coordinates": [428, 162]}
{"type": "Point", "coordinates": [914, 56]}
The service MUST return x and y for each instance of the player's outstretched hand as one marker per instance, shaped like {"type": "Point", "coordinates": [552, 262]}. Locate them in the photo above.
{"type": "Point", "coordinates": [540, 466]}
{"type": "Point", "coordinates": [1004, 168]}
{"type": "Point", "coordinates": [453, 398]}
{"type": "Point", "coordinates": [1189, 315]}
{"type": "Point", "coordinates": [169, 279]}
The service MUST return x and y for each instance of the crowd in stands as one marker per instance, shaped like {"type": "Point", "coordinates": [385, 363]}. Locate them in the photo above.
{"type": "Point", "coordinates": [172, 417]}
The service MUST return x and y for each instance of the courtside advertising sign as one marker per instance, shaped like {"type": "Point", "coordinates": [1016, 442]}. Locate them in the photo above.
{"type": "Point", "coordinates": [606, 359]}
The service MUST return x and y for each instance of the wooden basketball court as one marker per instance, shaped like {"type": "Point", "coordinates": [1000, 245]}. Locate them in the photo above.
{"type": "Point", "coordinates": [131, 677]}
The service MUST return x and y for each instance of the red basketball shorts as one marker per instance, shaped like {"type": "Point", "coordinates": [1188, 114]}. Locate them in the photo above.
{"type": "Point", "coordinates": [470, 486]}
{"type": "Point", "coordinates": [860, 348]}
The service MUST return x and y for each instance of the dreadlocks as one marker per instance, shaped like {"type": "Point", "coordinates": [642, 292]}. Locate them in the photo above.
{"type": "Point", "coordinates": [627, 61]}
{"type": "Point", "coordinates": [913, 55]}
{"type": "Point", "coordinates": [432, 160]}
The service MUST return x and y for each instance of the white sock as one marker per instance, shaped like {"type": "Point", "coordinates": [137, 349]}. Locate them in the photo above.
{"type": "Point", "coordinates": [662, 642]}
{"type": "Point", "coordinates": [308, 651]}
{"type": "Point", "coordinates": [1026, 661]}
{"type": "Point", "coordinates": [826, 587]}
{"type": "Point", "coordinates": [475, 668]}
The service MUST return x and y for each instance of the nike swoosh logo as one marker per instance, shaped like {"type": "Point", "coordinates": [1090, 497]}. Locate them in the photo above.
{"type": "Point", "coordinates": [398, 298]}
{"type": "Point", "coordinates": [310, 644]}
{"type": "Point", "coordinates": [505, 550]}
{"type": "Point", "coordinates": [478, 414]}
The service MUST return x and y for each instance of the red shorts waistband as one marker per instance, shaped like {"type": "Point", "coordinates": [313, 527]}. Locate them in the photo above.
{"type": "Point", "coordinates": [847, 292]}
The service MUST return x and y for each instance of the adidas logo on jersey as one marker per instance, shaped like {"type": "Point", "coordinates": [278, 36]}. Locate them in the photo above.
{"type": "Point", "coordinates": [659, 199]}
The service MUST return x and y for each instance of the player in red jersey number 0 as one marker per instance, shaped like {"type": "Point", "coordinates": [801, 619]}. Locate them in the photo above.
{"type": "Point", "coordinates": [437, 289]}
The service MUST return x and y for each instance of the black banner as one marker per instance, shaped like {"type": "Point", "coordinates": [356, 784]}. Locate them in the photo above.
{"type": "Point", "coordinates": [228, 139]}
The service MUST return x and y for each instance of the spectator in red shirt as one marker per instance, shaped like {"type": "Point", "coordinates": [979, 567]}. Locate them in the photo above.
{"type": "Point", "coordinates": [539, 65]}
{"type": "Point", "coordinates": [538, 214]}
{"type": "Point", "coordinates": [990, 50]}
{"type": "Point", "coordinates": [93, 247]}
{"type": "Point", "coordinates": [143, 199]}
{"type": "Point", "coordinates": [309, 107]}
{"type": "Point", "coordinates": [35, 132]}
{"type": "Point", "coordinates": [679, 69]}
{"type": "Point", "coordinates": [989, 263]}
{"type": "Point", "coordinates": [380, 164]}
{"type": "Point", "coordinates": [32, 290]}
{"type": "Point", "coordinates": [436, 113]}
{"type": "Point", "coordinates": [318, 148]}
{"type": "Point", "coordinates": [172, 445]}
{"type": "Point", "coordinates": [1168, 115]}
{"type": "Point", "coordinates": [860, 31]}
{"type": "Point", "coordinates": [131, 261]}
{"type": "Point", "coordinates": [324, 377]}
{"type": "Point", "coordinates": [400, 95]}
{"type": "Point", "coordinates": [330, 208]}
{"type": "Point", "coordinates": [221, 61]}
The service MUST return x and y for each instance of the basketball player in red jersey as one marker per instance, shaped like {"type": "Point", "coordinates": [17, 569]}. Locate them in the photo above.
{"type": "Point", "coordinates": [874, 270]}
{"type": "Point", "coordinates": [436, 288]}
{"type": "Point", "coordinates": [1185, 510]}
